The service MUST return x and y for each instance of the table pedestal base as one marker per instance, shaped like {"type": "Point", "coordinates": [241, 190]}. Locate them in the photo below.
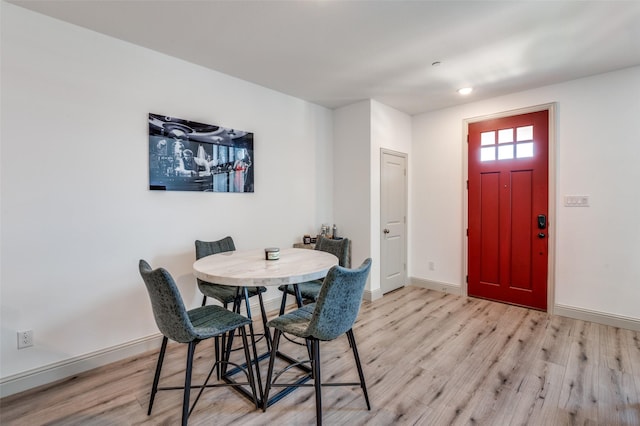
{"type": "Point", "coordinates": [228, 377]}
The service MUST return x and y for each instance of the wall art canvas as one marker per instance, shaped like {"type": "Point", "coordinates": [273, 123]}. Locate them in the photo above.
{"type": "Point", "coordinates": [190, 156]}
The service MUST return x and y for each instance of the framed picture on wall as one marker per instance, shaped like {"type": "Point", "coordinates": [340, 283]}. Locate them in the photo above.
{"type": "Point", "coordinates": [190, 156]}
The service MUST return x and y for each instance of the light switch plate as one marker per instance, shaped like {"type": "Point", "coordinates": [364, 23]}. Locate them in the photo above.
{"type": "Point", "coordinates": [576, 201]}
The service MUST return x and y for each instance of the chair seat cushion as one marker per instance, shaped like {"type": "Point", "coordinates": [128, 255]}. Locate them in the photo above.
{"type": "Point", "coordinates": [225, 293]}
{"type": "Point", "coordinates": [296, 322]}
{"type": "Point", "coordinates": [308, 290]}
{"type": "Point", "coordinates": [212, 320]}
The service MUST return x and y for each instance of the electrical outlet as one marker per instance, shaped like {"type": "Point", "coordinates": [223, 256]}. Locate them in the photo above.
{"type": "Point", "coordinates": [25, 339]}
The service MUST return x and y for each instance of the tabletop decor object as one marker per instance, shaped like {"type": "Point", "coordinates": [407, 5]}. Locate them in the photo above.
{"type": "Point", "coordinates": [272, 253]}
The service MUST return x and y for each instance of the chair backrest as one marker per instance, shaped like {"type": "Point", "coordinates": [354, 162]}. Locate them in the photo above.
{"type": "Point", "coordinates": [167, 305]}
{"type": "Point", "coordinates": [207, 248]}
{"type": "Point", "coordinates": [339, 301]}
{"type": "Point", "coordinates": [339, 248]}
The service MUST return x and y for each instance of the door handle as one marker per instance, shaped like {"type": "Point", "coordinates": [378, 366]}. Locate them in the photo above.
{"type": "Point", "coordinates": [541, 235]}
{"type": "Point", "coordinates": [386, 231]}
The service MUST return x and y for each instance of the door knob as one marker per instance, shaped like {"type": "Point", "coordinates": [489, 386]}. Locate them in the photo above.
{"type": "Point", "coordinates": [541, 235]}
{"type": "Point", "coordinates": [386, 231]}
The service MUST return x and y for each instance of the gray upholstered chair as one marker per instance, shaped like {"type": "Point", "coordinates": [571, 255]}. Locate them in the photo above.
{"type": "Point", "coordinates": [309, 290]}
{"type": "Point", "coordinates": [332, 315]}
{"type": "Point", "coordinates": [226, 294]}
{"type": "Point", "coordinates": [177, 323]}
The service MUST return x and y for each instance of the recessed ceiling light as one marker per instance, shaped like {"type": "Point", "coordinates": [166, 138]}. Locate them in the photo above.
{"type": "Point", "coordinates": [465, 90]}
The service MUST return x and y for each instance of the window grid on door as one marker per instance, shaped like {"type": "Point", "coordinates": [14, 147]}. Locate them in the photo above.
{"type": "Point", "coordinates": [506, 144]}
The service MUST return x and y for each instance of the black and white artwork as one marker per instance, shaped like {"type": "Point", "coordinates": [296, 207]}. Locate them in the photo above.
{"type": "Point", "coordinates": [189, 156]}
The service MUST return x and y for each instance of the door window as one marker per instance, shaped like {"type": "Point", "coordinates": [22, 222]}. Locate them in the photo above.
{"type": "Point", "coordinates": [507, 144]}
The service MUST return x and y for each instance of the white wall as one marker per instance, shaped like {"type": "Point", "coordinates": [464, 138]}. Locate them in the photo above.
{"type": "Point", "coordinates": [77, 214]}
{"type": "Point", "coordinates": [360, 131]}
{"type": "Point", "coordinates": [390, 129]}
{"type": "Point", "coordinates": [597, 267]}
{"type": "Point", "coordinates": [352, 168]}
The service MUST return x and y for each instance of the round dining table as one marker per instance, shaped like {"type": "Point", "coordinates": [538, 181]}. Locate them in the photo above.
{"type": "Point", "coordinates": [250, 268]}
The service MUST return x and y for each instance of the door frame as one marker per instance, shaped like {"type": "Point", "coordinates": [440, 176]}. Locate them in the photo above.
{"type": "Point", "coordinates": [405, 156]}
{"type": "Point", "coordinates": [552, 222]}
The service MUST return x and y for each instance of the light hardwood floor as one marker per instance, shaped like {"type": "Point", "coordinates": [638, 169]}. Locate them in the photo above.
{"type": "Point", "coordinates": [429, 358]}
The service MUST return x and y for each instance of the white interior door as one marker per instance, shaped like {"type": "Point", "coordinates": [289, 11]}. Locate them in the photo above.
{"type": "Point", "coordinates": [393, 220]}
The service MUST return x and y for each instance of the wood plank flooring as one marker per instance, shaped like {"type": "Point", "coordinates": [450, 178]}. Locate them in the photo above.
{"type": "Point", "coordinates": [429, 358]}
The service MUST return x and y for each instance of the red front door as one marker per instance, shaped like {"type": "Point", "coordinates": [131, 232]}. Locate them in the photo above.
{"type": "Point", "coordinates": [508, 209]}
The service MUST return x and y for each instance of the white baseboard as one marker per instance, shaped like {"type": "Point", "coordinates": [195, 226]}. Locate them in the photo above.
{"type": "Point", "coordinates": [562, 310]}
{"type": "Point", "coordinates": [598, 317]}
{"type": "Point", "coordinates": [371, 295]}
{"type": "Point", "coordinates": [436, 285]}
{"type": "Point", "coordinates": [60, 370]}
{"type": "Point", "coordinates": [69, 367]}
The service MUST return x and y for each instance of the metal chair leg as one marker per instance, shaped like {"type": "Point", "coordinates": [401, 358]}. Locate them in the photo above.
{"type": "Point", "coordinates": [217, 354]}
{"type": "Point", "coordinates": [283, 303]}
{"type": "Point", "coordinates": [227, 352]}
{"type": "Point", "coordinates": [247, 356]}
{"type": "Point", "coordinates": [256, 359]}
{"type": "Point", "coordinates": [352, 342]}
{"type": "Point", "coordinates": [253, 341]}
{"type": "Point", "coordinates": [317, 380]}
{"type": "Point", "coordinates": [247, 304]}
{"type": "Point", "coordinates": [272, 358]}
{"type": "Point", "coordinates": [223, 344]}
{"type": "Point", "coordinates": [187, 384]}
{"type": "Point", "coordinates": [298, 295]}
{"type": "Point", "coordinates": [265, 329]}
{"type": "Point", "coordinates": [156, 378]}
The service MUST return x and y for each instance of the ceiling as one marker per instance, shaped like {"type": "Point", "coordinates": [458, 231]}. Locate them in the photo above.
{"type": "Point", "coordinates": [336, 52]}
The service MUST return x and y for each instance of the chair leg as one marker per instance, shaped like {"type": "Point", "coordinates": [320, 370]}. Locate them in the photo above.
{"type": "Point", "coordinates": [237, 300]}
{"type": "Point", "coordinates": [298, 295]}
{"type": "Point", "coordinates": [272, 358]}
{"type": "Point", "coordinates": [223, 343]}
{"type": "Point", "coordinates": [267, 335]}
{"type": "Point", "coordinates": [247, 357]}
{"type": "Point", "coordinates": [352, 342]}
{"type": "Point", "coordinates": [227, 351]}
{"type": "Point", "coordinates": [283, 303]}
{"type": "Point", "coordinates": [204, 300]}
{"type": "Point", "coordinates": [317, 381]}
{"type": "Point", "coordinates": [217, 354]}
{"type": "Point", "coordinates": [295, 292]}
{"type": "Point", "coordinates": [256, 360]}
{"type": "Point", "coordinates": [247, 304]}
{"type": "Point", "coordinates": [253, 338]}
{"type": "Point", "coordinates": [156, 378]}
{"type": "Point", "coordinates": [187, 384]}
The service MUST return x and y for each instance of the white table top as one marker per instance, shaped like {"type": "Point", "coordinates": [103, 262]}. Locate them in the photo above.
{"type": "Point", "coordinates": [249, 267]}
